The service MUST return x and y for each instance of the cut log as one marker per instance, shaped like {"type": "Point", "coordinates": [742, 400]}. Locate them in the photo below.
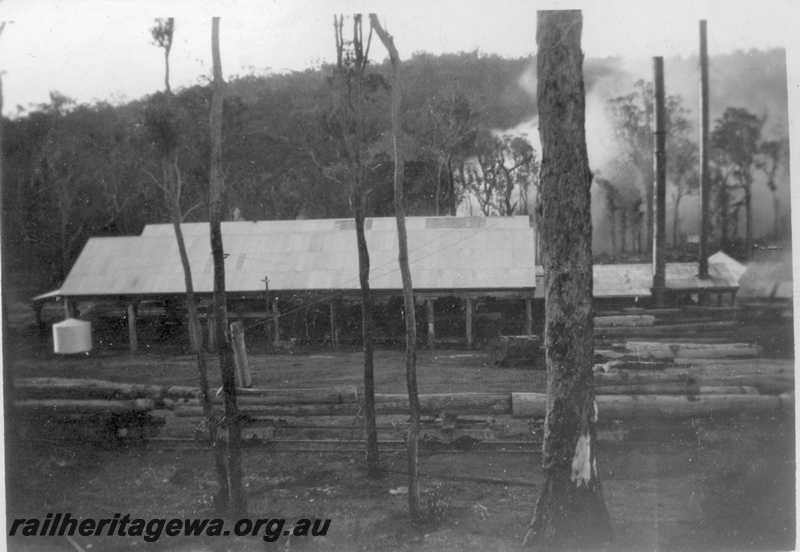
{"type": "Point", "coordinates": [452, 403]}
{"type": "Point", "coordinates": [695, 328]}
{"type": "Point", "coordinates": [528, 405]}
{"type": "Point", "coordinates": [772, 364]}
{"type": "Point", "coordinates": [765, 385]}
{"type": "Point", "coordinates": [628, 321]}
{"type": "Point", "coordinates": [675, 389]}
{"type": "Point", "coordinates": [642, 378]}
{"type": "Point", "coordinates": [632, 365]}
{"type": "Point", "coordinates": [85, 407]}
{"type": "Point", "coordinates": [433, 404]}
{"type": "Point", "coordinates": [635, 407]}
{"type": "Point", "coordinates": [78, 389]}
{"type": "Point", "coordinates": [650, 350]}
{"type": "Point", "coordinates": [508, 348]}
{"type": "Point", "coordinates": [327, 395]}
{"type": "Point", "coordinates": [192, 410]}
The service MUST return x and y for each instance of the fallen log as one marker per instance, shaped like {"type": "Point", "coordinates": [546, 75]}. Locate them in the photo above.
{"type": "Point", "coordinates": [80, 389]}
{"type": "Point", "coordinates": [633, 407]}
{"type": "Point", "coordinates": [782, 365]}
{"type": "Point", "coordinates": [675, 389]}
{"type": "Point", "coordinates": [642, 378]}
{"type": "Point", "coordinates": [697, 328]}
{"type": "Point", "coordinates": [651, 350]}
{"type": "Point", "coordinates": [191, 409]}
{"type": "Point", "coordinates": [84, 407]}
{"type": "Point", "coordinates": [613, 365]}
{"type": "Point", "coordinates": [452, 403]}
{"type": "Point", "coordinates": [433, 404]}
{"type": "Point", "coordinates": [766, 385]}
{"type": "Point", "coordinates": [628, 321]}
{"type": "Point", "coordinates": [326, 395]}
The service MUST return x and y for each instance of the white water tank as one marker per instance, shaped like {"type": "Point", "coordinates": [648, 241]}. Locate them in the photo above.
{"type": "Point", "coordinates": [72, 336]}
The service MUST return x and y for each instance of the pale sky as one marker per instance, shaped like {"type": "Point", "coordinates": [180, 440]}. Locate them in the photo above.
{"type": "Point", "coordinates": [102, 50]}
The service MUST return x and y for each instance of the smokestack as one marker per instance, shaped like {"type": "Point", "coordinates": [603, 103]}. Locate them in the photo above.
{"type": "Point", "coordinates": [660, 188]}
{"type": "Point", "coordinates": [704, 175]}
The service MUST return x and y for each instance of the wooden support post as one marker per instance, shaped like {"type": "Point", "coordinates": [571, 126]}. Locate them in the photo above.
{"type": "Point", "coordinates": [660, 170]}
{"type": "Point", "coordinates": [334, 324]}
{"type": "Point", "coordinates": [240, 356]}
{"type": "Point", "coordinates": [431, 325]}
{"type": "Point", "coordinates": [132, 337]}
{"type": "Point", "coordinates": [705, 174]}
{"type": "Point", "coordinates": [276, 322]}
{"type": "Point", "coordinates": [469, 323]}
{"type": "Point", "coordinates": [267, 309]}
{"type": "Point", "coordinates": [528, 317]}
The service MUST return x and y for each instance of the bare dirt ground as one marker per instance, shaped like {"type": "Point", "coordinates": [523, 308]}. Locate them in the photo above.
{"type": "Point", "coordinates": [720, 485]}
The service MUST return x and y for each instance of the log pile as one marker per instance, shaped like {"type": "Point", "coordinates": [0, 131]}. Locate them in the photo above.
{"type": "Point", "coordinates": [95, 410]}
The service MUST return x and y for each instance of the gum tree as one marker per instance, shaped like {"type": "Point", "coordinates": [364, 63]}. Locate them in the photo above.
{"type": "Point", "coordinates": [571, 512]}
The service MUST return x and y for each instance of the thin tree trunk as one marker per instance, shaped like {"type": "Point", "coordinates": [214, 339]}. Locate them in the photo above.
{"type": "Point", "coordinates": [571, 512]}
{"type": "Point", "coordinates": [8, 364]}
{"type": "Point", "coordinates": [367, 308]}
{"type": "Point", "coordinates": [414, 499]}
{"type": "Point", "coordinates": [238, 499]}
{"type": "Point", "coordinates": [170, 175]}
{"type": "Point", "coordinates": [172, 190]}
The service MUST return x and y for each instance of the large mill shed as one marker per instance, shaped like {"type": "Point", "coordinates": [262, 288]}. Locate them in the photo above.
{"type": "Point", "coordinates": [302, 262]}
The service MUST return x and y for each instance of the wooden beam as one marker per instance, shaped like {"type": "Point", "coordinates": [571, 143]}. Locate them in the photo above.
{"type": "Point", "coordinates": [132, 337]}
{"type": "Point", "coordinates": [469, 322]}
{"type": "Point", "coordinates": [431, 325]}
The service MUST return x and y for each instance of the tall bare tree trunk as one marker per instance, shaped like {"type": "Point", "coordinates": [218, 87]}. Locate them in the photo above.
{"type": "Point", "coordinates": [238, 499]}
{"type": "Point", "coordinates": [351, 98]}
{"type": "Point", "coordinates": [414, 499]}
{"type": "Point", "coordinates": [367, 307]}
{"type": "Point", "coordinates": [172, 188]}
{"type": "Point", "coordinates": [571, 512]}
{"type": "Point", "coordinates": [10, 425]}
{"type": "Point", "coordinates": [171, 181]}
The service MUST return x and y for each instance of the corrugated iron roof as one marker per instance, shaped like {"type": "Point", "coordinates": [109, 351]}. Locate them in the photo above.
{"type": "Point", "coordinates": [444, 253]}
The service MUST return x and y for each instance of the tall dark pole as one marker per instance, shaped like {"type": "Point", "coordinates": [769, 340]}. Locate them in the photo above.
{"type": "Point", "coordinates": [704, 177]}
{"type": "Point", "coordinates": [660, 188]}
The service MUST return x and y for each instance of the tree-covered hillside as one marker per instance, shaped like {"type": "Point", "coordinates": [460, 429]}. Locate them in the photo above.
{"type": "Point", "coordinates": [470, 131]}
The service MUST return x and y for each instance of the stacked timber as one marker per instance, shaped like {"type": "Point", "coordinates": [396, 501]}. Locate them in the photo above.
{"type": "Point", "coordinates": [343, 401]}
{"type": "Point", "coordinates": [99, 410]}
{"type": "Point", "coordinates": [689, 324]}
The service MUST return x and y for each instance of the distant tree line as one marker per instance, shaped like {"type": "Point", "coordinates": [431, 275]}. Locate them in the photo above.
{"type": "Point", "coordinates": [75, 171]}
